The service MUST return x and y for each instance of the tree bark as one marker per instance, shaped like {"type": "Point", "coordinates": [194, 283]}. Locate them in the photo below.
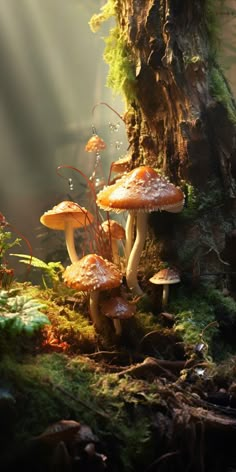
{"type": "Point", "coordinates": [182, 122]}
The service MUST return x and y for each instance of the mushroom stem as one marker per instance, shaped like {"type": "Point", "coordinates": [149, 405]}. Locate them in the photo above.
{"type": "Point", "coordinates": [165, 294]}
{"type": "Point", "coordinates": [136, 251]}
{"type": "Point", "coordinates": [93, 307]}
{"type": "Point", "coordinates": [117, 326]}
{"type": "Point", "coordinates": [70, 242]}
{"type": "Point", "coordinates": [115, 251]}
{"type": "Point", "coordinates": [129, 235]}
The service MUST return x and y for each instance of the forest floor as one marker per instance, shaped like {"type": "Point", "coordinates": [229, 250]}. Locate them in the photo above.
{"type": "Point", "coordinates": [151, 399]}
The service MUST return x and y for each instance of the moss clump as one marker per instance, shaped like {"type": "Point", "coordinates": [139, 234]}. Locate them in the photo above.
{"type": "Point", "coordinates": [198, 203]}
{"type": "Point", "coordinates": [107, 11]}
{"type": "Point", "coordinates": [192, 315]}
{"type": "Point", "coordinates": [65, 320]}
{"type": "Point", "coordinates": [121, 75]}
{"type": "Point", "coordinates": [49, 388]}
{"type": "Point", "coordinates": [205, 315]}
{"type": "Point", "coordinates": [221, 92]}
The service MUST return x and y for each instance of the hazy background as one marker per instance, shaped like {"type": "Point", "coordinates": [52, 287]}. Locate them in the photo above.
{"type": "Point", "coordinates": [52, 73]}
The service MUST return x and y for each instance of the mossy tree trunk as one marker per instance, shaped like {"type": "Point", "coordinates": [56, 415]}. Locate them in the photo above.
{"type": "Point", "coordinates": [181, 120]}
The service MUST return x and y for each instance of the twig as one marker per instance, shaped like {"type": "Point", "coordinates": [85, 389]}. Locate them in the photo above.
{"type": "Point", "coordinates": [160, 459]}
{"type": "Point", "coordinates": [151, 366]}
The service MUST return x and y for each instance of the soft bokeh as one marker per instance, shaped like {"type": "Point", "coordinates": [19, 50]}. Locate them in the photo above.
{"type": "Point", "coordinates": [52, 75]}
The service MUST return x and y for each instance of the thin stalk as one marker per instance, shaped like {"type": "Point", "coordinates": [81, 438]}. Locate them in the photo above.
{"type": "Point", "coordinates": [129, 230]}
{"type": "Point", "coordinates": [165, 294]}
{"type": "Point", "coordinates": [94, 312]}
{"type": "Point", "coordinates": [108, 106]}
{"type": "Point", "coordinates": [136, 251]}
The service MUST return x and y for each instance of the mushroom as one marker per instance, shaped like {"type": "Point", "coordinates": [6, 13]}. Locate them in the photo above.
{"type": "Point", "coordinates": [95, 144]}
{"type": "Point", "coordinates": [118, 309]}
{"type": "Point", "coordinates": [67, 216]}
{"type": "Point", "coordinates": [140, 191]}
{"type": "Point", "coordinates": [165, 277]}
{"type": "Point", "coordinates": [120, 166]}
{"type": "Point", "coordinates": [116, 232]}
{"type": "Point", "coordinates": [92, 274]}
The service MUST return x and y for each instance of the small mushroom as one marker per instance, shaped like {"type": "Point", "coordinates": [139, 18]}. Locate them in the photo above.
{"type": "Point", "coordinates": [63, 430]}
{"type": "Point", "coordinates": [165, 277]}
{"type": "Point", "coordinates": [95, 144]}
{"type": "Point", "coordinates": [67, 216]}
{"type": "Point", "coordinates": [92, 274]}
{"type": "Point", "coordinates": [116, 232]}
{"type": "Point", "coordinates": [117, 308]}
{"type": "Point", "coordinates": [120, 166]}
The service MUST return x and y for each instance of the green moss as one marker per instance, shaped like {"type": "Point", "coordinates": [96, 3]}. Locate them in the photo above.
{"type": "Point", "coordinates": [221, 92]}
{"type": "Point", "coordinates": [201, 202]}
{"type": "Point", "coordinates": [190, 210]}
{"type": "Point", "coordinates": [49, 388]}
{"type": "Point", "coordinates": [106, 12]}
{"type": "Point", "coordinates": [192, 315]}
{"type": "Point", "coordinates": [121, 75]}
{"type": "Point", "coordinates": [205, 315]}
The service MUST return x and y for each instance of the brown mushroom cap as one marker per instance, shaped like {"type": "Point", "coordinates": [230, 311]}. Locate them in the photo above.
{"type": "Point", "coordinates": [92, 272]}
{"type": "Point", "coordinates": [122, 164]}
{"type": "Point", "coordinates": [95, 143]}
{"type": "Point", "coordinates": [66, 211]}
{"type": "Point", "coordinates": [60, 431]}
{"type": "Point", "coordinates": [113, 228]}
{"type": "Point", "coordinates": [118, 308]}
{"type": "Point", "coordinates": [141, 189]}
{"type": "Point", "coordinates": [165, 276]}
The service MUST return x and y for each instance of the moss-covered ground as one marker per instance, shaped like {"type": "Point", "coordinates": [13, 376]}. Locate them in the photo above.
{"type": "Point", "coordinates": [64, 370]}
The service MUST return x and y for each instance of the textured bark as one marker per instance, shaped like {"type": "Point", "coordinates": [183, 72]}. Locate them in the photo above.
{"type": "Point", "coordinates": [177, 126]}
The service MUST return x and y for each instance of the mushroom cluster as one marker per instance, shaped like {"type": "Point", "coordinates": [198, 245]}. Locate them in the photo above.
{"type": "Point", "coordinates": [139, 192]}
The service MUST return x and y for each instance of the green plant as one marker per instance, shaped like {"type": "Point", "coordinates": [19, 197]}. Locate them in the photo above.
{"type": "Point", "coordinates": [6, 242]}
{"type": "Point", "coordinates": [20, 313]}
{"type": "Point", "coordinates": [52, 270]}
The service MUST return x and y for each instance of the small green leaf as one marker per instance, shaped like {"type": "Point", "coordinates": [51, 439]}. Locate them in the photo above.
{"type": "Point", "coordinates": [21, 313]}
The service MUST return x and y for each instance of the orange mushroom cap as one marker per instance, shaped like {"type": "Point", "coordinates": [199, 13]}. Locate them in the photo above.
{"type": "Point", "coordinates": [141, 189]}
{"type": "Point", "coordinates": [95, 143]}
{"type": "Point", "coordinates": [113, 228]}
{"type": "Point", "coordinates": [122, 164]}
{"type": "Point", "coordinates": [64, 211]}
{"type": "Point", "coordinates": [92, 272]}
